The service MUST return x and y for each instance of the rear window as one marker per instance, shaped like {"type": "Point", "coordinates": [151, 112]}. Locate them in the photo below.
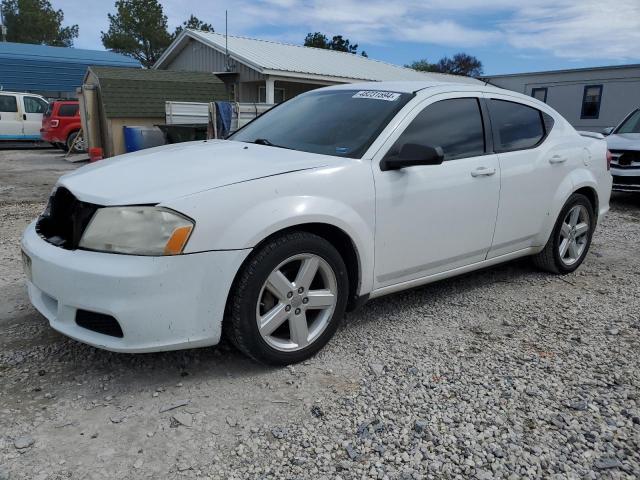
{"type": "Point", "coordinates": [68, 110]}
{"type": "Point", "coordinates": [517, 126]}
{"type": "Point", "coordinates": [8, 103]}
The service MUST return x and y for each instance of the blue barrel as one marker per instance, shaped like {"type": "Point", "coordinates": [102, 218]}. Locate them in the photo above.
{"type": "Point", "coordinates": [139, 138]}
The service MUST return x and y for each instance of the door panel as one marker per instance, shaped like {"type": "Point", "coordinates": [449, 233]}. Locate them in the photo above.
{"type": "Point", "coordinates": [33, 109]}
{"type": "Point", "coordinates": [530, 179]}
{"type": "Point", "coordinates": [10, 122]}
{"type": "Point", "coordinates": [433, 218]}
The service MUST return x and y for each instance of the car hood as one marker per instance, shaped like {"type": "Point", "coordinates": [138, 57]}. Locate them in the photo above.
{"type": "Point", "coordinates": [159, 174]}
{"type": "Point", "coordinates": [623, 141]}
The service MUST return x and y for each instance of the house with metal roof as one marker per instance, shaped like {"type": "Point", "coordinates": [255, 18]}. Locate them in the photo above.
{"type": "Point", "coordinates": [271, 72]}
{"type": "Point", "coordinates": [114, 98]}
{"type": "Point", "coordinates": [54, 72]}
{"type": "Point", "coordinates": [589, 98]}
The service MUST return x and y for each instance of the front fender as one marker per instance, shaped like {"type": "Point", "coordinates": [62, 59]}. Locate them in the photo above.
{"type": "Point", "coordinates": [240, 216]}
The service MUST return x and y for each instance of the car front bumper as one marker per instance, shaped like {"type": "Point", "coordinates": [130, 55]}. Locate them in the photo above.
{"type": "Point", "coordinates": [626, 179]}
{"type": "Point", "coordinates": [160, 303]}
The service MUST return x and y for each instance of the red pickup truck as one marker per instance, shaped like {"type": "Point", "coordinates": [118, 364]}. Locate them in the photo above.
{"type": "Point", "coordinates": [61, 124]}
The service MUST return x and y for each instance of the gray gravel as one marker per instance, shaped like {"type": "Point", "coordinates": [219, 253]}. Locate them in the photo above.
{"type": "Point", "coordinates": [504, 373]}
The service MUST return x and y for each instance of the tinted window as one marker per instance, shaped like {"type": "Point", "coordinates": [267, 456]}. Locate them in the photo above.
{"type": "Point", "coordinates": [330, 122]}
{"type": "Point", "coordinates": [515, 126]}
{"type": "Point", "coordinates": [8, 103]}
{"type": "Point", "coordinates": [68, 110]}
{"type": "Point", "coordinates": [455, 125]}
{"type": "Point", "coordinates": [34, 105]}
{"type": "Point", "coordinates": [591, 101]}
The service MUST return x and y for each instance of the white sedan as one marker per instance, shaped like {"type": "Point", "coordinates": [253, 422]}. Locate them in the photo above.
{"type": "Point", "coordinates": [336, 196]}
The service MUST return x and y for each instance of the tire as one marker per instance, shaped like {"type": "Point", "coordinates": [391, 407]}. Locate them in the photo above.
{"type": "Point", "coordinates": [270, 287]}
{"type": "Point", "coordinates": [551, 258]}
{"type": "Point", "coordinates": [70, 139]}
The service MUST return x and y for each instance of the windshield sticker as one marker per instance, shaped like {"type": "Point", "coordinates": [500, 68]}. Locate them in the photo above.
{"type": "Point", "coordinates": [378, 95]}
{"type": "Point", "coordinates": [342, 150]}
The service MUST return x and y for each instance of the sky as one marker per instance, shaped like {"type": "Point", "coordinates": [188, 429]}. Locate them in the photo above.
{"type": "Point", "coordinates": [508, 36]}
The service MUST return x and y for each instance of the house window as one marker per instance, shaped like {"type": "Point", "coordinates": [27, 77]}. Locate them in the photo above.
{"type": "Point", "coordinates": [591, 101]}
{"type": "Point", "coordinates": [540, 94]}
{"type": "Point", "coordinates": [278, 95]}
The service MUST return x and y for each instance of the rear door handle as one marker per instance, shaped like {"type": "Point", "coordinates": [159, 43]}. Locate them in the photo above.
{"type": "Point", "coordinates": [483, 172]}
{"type": "Point", "coordinates": [557, 159]}
{"type": "Point", "coordinates": [24, 116]}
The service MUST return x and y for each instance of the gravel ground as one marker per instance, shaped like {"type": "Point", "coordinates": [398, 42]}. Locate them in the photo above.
{"type": "Point", "coordinates": [504, 373]}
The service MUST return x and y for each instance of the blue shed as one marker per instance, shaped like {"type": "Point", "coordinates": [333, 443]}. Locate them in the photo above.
{"type": "Point", "coordinates": [53, 72]}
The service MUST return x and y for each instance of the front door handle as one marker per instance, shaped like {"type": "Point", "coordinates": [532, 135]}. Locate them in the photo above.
{"type": "Point", "coordinates": [24, 116]}
{"type": "Point", "coordinates": [557, 159]}
{"type": "Point", "coordinates": [483, 172]}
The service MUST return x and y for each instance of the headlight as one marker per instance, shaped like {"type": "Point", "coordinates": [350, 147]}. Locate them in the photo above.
{"type": "Point", "coordinates": [137, 231]}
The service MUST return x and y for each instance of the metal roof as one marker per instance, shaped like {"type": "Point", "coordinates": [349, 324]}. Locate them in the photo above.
{"type": "Point", "coordinates": [274, 58]}
{"type": "Point", "coordinates": [27, 51]}
{"type": "Point", "coordinates": [51, 70]}
{"type": "Point", "coordinates": [567, 70]}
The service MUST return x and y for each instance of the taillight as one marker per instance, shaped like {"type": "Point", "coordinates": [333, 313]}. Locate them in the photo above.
{"type": "Point", "coordinates": [54, 123]}
{"type": "Point", "coordinates": [609, 158]}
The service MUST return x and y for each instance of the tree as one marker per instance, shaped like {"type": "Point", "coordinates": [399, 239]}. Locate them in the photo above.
{"type": "Point", "coordinates": [460, 64]}
{"type": "Point", "coordinates": [35, 21]}
{"type": "Point", "coordinates": [422, 66]}
{"type": "Point", "coordinates": [138, 29]}
{"type": "Point", "coordinates": [194, 23]}
{"type": "Point", "coordinates": [338, 43]}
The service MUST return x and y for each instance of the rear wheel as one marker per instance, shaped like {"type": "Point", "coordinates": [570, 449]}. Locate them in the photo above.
{"type": "Point", "coordinates": [288, 299]}
{"type": "Point", "coordinates": [571, 237]}
{"type": "Point", "coordinates": [72, 145]}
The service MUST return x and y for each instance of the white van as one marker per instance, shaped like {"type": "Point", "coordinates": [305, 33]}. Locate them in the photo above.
{"type": "Point", "coordinates": [21, 115]}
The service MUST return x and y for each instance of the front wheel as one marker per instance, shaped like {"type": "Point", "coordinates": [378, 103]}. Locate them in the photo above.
{"type": "Point", "coordinates": [288, 299]}
{"type": "Point", "coordinates": [571, 237]}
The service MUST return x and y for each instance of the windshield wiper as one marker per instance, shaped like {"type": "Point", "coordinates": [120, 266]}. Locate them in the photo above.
{"type": "Point", "coordinates": [264, 141]}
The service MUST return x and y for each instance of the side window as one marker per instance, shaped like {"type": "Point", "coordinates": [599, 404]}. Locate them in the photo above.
{"type": "Point", "coordinates": [68, 110]}
{"type": "Point", "coordinates": [455, 125]}
{"type": "Point", "coordinates": [34, 105]}
{"type": "Point", "coordinates": [539, 94]}
{"type": "Point", "coordinates": [591, 101]}
{"type": "Point", "coordinates": [8, 103]}
{"type": "Point", "coordinates": [516, 126]}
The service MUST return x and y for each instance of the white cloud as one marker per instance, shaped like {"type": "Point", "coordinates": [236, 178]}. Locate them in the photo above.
{"type": "Point", "coordinates": [562, 28]}
{"type": "Point", "coordinates": [588, 29]}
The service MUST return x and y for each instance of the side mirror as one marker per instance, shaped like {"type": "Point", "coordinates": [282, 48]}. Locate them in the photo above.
{"type": "Point", "coordinates": [608, 131]}
{"type": "Point", "coordinates": [412, 154]}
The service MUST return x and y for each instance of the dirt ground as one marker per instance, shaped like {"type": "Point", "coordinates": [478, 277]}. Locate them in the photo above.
{"type": "Point", "coordinates": [439, 355]}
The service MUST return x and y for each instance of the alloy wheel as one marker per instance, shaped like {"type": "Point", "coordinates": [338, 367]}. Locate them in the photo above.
{"type": "Point", "coordinates": [574, 235]}
{"type": "Point", "coordinates": [296, 302]}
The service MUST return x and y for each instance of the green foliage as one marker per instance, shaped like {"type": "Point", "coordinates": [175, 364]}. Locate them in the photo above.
{"type": "Point", "coordinates": [35, 21]}
{"type": "Point", "coordinates": [138, 29]}
{"type": "Point", "coordinates": [194, 23]}
{"type": "Point", "coordinates": [338, 43]}
{"type": "Point", "coordinates": [460, 64]}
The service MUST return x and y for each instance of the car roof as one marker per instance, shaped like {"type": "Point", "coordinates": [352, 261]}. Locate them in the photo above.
{"type": "Point", "coordinates": [408, 86]}
{"type": "Point", "coordinates": [429, 88]}
{"type": "Point", "coordinates": [4, 92]}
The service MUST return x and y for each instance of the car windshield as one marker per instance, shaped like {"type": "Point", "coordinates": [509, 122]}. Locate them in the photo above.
{"type": "Point", "coordinates": [342, 123]}
{"type": "Point", "coordinates": [631, 124]}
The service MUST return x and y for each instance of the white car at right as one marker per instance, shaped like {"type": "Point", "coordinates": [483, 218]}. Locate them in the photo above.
{"type": "Point", "coordinates": [624, 144]}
